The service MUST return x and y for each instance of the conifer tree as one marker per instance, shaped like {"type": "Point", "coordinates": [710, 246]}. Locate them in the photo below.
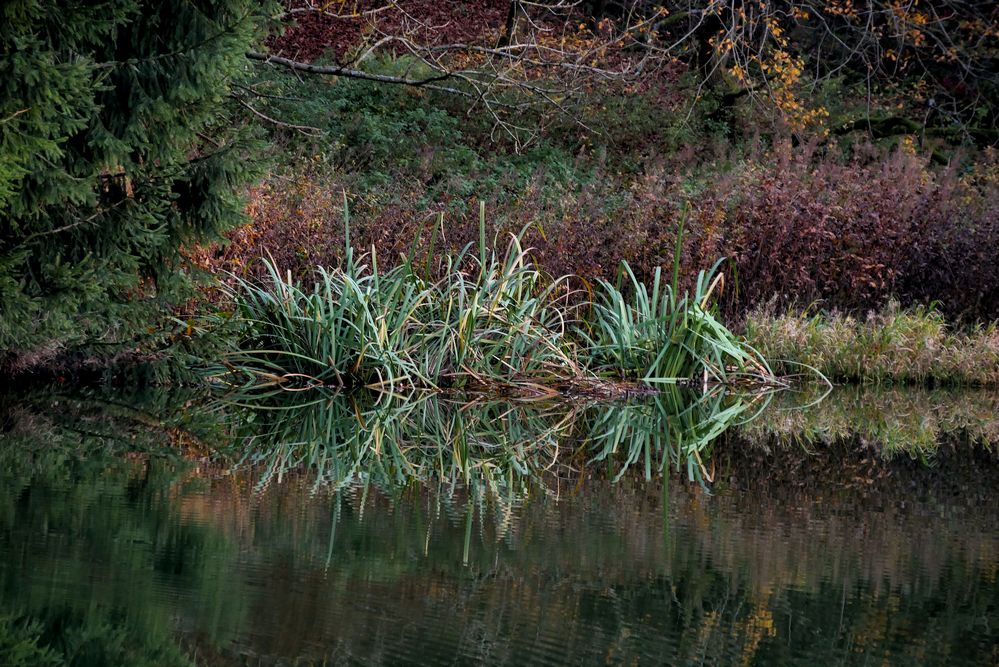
{"type": "Point", "coordinates": [116, 150]}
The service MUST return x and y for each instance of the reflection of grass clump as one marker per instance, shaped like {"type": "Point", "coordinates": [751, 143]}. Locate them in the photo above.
{"type": "Point", "coordinates": [902, 346]}
{"type": "Point", "coordinates": [488, 446]}
{"type": "Point", "coordinates": [910, 420]}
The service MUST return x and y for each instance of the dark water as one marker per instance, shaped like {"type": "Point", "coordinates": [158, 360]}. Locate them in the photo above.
{"type": "Point", "coordinates": [800, 540]}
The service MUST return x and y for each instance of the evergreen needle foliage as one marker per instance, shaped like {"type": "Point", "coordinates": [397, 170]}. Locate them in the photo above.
{"type": "Point", "coordinates": [116, 148]}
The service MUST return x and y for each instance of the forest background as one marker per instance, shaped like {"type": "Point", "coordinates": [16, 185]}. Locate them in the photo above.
{"type": "Point", "coordinates": [839, 155]}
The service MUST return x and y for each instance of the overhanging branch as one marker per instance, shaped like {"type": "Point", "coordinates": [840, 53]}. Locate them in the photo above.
{"type": "Point", "coordinates": [338, 70]}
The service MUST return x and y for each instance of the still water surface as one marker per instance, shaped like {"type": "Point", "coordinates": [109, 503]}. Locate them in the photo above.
{"type": "Point", "coordinates": [800, 540]}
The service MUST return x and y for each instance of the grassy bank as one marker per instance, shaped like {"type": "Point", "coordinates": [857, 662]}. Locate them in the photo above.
{"type": "Point", "coordinates": [904, 346]}
{"type": "Point", "coordinates": [491, 321]}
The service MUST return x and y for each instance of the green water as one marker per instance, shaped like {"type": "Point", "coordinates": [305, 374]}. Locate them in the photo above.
{"type": "Point", "coordinates": [153, 529]}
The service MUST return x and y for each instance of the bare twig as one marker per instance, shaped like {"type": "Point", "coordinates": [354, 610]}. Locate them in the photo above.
{"type": "Point", "coordinates": [305, 129]}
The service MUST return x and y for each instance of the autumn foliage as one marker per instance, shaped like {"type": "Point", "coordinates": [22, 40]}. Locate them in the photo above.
{"type": "Point", "coordinates": [838, 172]}
{"type": "Point", "coordinates": [798, 229]}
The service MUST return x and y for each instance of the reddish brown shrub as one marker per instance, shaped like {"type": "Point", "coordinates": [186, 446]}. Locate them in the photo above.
{"type": "Point", "coordinates": [849, 235]}
{"type": "Point", "coordinates": [797, 229]}
{"type": "Point", "coordinates": [801, 231]}
{"type": "Point", "coordinates": [311, 34]}
{"type": "Point", "coordinates": [952, 255]}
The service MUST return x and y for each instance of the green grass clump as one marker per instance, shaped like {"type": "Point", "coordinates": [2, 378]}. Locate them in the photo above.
{"type": "Point", "coordinates": [394, 329]}
{"type": "Point", "coordinates": [490, 322]}
{"type": "Point", "coordinates": [910, 346]}
{"type": "Point", "coordinates": [661, 335]}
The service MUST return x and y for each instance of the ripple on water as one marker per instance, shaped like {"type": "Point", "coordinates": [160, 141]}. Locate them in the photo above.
{"type": "Point", "coordinates": [844, 560]}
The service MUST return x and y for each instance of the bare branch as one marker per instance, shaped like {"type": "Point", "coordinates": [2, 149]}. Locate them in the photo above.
{"type": "Point", "coordinates": [313, 8]}
{"type": "Point", "coordinates": [337, 70]}
{"type": "Point", "coordinates": [305, 129]}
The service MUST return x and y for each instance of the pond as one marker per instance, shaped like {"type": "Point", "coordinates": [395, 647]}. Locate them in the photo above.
{"type": "Point", "coordinates": [158, 528]}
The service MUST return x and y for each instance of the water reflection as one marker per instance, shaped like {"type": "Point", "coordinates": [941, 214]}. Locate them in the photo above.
{"type": "Point", "coordinates": [899, 420]}
{"type": "Point", "coordinates": [122, 542]}
{"type": "Point", "coordinates": [489, 445]}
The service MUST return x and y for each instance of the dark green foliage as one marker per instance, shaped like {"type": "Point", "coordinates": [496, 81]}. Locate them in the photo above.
{"type": "Point", "coordinates": [387, 135]}
{"type": "Point", "coordinates": [117, 149]}
{"type": "Point", "coordinates": [118, 453]}
{"type": "Point", "coordinates": [71, 640]}
{"type": "Point", "coordinates": [19, 644]}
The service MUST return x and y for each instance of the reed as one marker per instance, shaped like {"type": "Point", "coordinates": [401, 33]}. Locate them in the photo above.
{"type": "Point", "coordinates": [661, 336]}
{"type": "Point", "coordinates": [492, 321]}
